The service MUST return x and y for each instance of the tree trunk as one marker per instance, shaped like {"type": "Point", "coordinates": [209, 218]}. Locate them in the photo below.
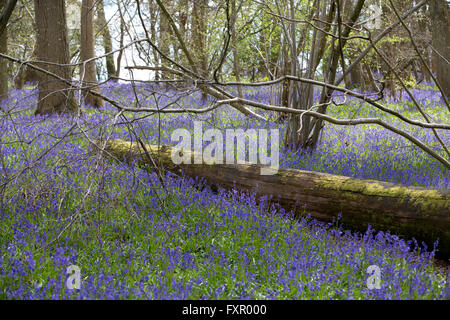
{"type": "Point", "coordinates": [52, 46]}
{"type": "Point", "coordinates": [153, 9]}
{"type": "Point", "coordinates": [87, 52]}
{"type": "Point", "coordinates": [370, 79]}
{"type": "Point", "coordinates": [199, 38]}
{"type": "Point", "coordinates": [440, 26]}
{"type": "Point", "coordinates": [199, 35]}
{"type": "Point", "coordinates": [236, 64]}
{"type": "Point", "coordinates": [347, 79]}
{"type": "Point", "coordinates": [263, 64]}
{"type": "Point", "coordinates": [163, 44]}
{"type": "Point", "coordinates": [3, 62]}
{"type": "Point", "coordinates": [27, 74]}
{"type": "Point", "coordinates": [425, 72]}
{"type": "Point", "coordinates": [292, 136]}
{"type": "Point", "coordinates": [183, 14]}
{"type": "Point", "coordinates": [6, 9]}
{"type": "Point", "coordinates": [357, 77]}
{"type": "Point", "coordinates": [406, 211]}
{"type": "Point", "coordinates": [331, 76]}
{"type": "Point", "coordinates": [19, 81]}
{"type": "Point", "coordinates": [121, 40]}
{"type": "Point", "coordinates": [107, 42]}
{"type": "Point", "coordinates": [295, 137]}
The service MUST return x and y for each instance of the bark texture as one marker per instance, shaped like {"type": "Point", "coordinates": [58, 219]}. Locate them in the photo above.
{"type": "Point", "coordinates": [236, 64]}
{"type": "Point", "coordinates": [107, 41]}
{"type": "Point", "coordinates": [440, 26]}
{"type": "Point", "coordinates": [199, 36]}
{"type": "Point", "coordinates": [164, 40]}
{"type": "Point", "coordinates": [27, 74]}
{"type": "Point", "coordinates": [52, 46]}
{"type": "Point", "coordinates": [87, 52]}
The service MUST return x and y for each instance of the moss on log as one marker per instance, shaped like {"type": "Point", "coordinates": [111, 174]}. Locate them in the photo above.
{"type": "Point", "coordinates": [406, 211]}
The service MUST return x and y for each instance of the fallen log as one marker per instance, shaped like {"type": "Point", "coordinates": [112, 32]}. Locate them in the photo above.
{"type": "Point", "coordinates": [405, 211]}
